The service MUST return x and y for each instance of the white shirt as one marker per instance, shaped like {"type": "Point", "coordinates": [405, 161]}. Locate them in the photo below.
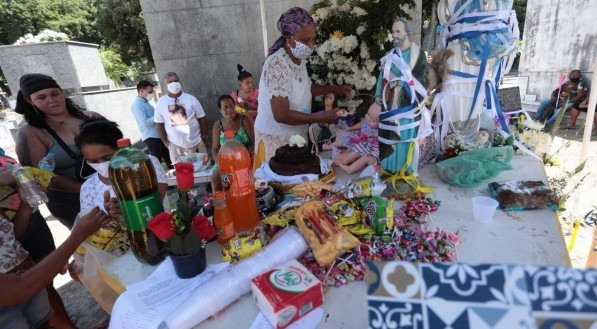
{"type": "Point", "coordinates": [179, 117]}
{"type": "Point", "coordinates": [282, 78]}
{"type": "Point", "coordinates": [92, 190]}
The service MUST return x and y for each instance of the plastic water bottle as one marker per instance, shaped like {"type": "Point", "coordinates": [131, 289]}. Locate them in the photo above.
{"type": "Point", "coordinates": [48, 163]}
{"type": "Point", "coordinates": [30, 189]}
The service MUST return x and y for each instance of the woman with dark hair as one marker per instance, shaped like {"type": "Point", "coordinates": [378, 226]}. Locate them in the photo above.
{"type": "Point", "coordinates": [231, 121]}
{"type": "Point", "coordinates": [97, 142]}
{"type": "Point", "coordinates": [285, 89]}
{"type": "Point", "coordinates": [246, 95]}
{"type": "Point", "coordinates": [53, 121]}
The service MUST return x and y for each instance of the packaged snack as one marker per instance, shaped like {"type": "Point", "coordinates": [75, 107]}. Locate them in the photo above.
{"type": "Point", "coordinates": [242, 246]}
{"type": "Point", "coordinates": [311, 189]}
{"type": "Point", "coordinates": [326, 239]}
{"type": "Point", "coordinates": [345, 212]}
{"type": "Point", "coordinates": [286, 293]}
{"type": "Point", "coordinates": [379, 213]}
{"type": "Point", "coordinates": [370, 186]}
{"type": "Point", "coordinates": [280, 218]}
{"type": "Point", "coordinates": [523, 195]}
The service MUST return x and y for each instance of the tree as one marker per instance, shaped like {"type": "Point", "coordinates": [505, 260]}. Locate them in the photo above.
{"type": "Point", "coordinates": [115, 69]}
{"type": "Point", "coordinates": [520, 6]}
{"type": "Point", "coordinates": [429, 14]}
{"type": "Point", "coordinates": [122, 27]}
{"type": "Point", "coordinates": [73, 17]}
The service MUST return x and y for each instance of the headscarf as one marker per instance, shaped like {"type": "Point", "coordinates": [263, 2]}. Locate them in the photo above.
{"type": "Point", "coordinates": [29, 84]}
{"type": "Point", "coordinates": [289, 24]}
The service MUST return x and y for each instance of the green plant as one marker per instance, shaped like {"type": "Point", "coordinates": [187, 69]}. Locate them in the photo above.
{"type": "Point", "coordinates": [115, 69]}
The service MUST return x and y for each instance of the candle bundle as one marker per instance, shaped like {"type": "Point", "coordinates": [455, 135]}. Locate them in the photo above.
{"type": "Point", "coordinates": [230, 284]}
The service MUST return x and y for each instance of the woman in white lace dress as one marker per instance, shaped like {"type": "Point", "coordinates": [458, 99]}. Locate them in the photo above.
{"type": "Point", "coordinates": [285, 89]}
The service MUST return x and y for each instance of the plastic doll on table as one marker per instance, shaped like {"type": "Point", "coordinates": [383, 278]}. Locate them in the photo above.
{"type": "Point", "coordinates": [362, 146]}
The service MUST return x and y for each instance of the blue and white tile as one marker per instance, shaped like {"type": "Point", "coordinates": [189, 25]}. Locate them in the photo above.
{"type": "Point", "coordinates": [463, 282]}
{"type": "Point", "coordinates": [385, 314]}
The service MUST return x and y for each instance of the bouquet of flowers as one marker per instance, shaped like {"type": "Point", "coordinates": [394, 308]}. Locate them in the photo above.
{"type": "Point", "coordinates": [184, 231]}
{"type": "Point", "coordinates": [530, 133]}
{"type": "Point", "coordinates": [352, 37]}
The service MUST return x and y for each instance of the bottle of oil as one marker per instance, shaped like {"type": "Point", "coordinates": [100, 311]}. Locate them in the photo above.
{"type": "Point", "coordinates": [135, 183]}
{"type": "Point", "coordinates": [237, 180]}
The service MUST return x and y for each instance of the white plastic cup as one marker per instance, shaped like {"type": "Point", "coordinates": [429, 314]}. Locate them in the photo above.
{"type": "Point", "coordinates": [484, 208]}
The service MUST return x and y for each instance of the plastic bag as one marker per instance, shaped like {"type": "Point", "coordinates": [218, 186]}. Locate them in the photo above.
{"type": "Point", "coordinates": [523, 195]}
{"type": "Point", "coordinates": [470, 168]}
{"type": "Point", "coordinates": [87, 267]}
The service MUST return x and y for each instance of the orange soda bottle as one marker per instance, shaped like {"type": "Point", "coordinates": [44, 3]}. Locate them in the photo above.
{"type": "Point", "coordinates": [236, 173]}
{"type": "Point", "coordinates": [222, 218]}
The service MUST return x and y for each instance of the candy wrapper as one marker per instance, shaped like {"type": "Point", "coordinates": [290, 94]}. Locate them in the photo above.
{"type": "Point", "coordinates": [413, 244]}
{"type": "Point", "coordinates": [326, 239]}
{"type": "Point", "coordinates": [242, 246]}
{"type": "Point", "coordinates": [379, 213]}
{"type": "Point", "coordinates": [281, 218]}
{"type": "Point", "coordinates": [370, 186]}
{"type": "Point", "coordinates": [345, 212]}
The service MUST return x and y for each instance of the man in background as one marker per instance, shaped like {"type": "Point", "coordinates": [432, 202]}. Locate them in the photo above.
{"type": "Point", "coordinates": [144, 112]}
{"type": "Point", "coordinates": [575, 89]}
{"type": "Point", "coordinates": [180, 120]}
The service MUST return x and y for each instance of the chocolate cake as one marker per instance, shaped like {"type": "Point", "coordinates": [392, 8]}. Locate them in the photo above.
{"type": "Point", "coordinates": [294, 160]}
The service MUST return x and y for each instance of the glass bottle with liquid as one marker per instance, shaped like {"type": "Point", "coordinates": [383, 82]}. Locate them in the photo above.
{"type": "Point", "coordinates": [222, 218]}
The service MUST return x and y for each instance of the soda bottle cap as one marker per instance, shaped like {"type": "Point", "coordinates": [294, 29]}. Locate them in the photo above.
{"type": "Point", "coordinates": [219, 195]}
{"type": "Point", "coordinates": [123, 142]}
{"type": "Point", "coordinates": [229, 134]}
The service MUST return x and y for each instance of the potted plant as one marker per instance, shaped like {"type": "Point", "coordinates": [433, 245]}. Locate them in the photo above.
{"type": "Point", "coordinates": [184, 231]}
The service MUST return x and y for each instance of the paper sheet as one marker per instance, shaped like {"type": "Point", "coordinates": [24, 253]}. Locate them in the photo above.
{"type": "Point", "coordinates": [309, 321]}
{"type": "Point", "coordinates": [147, 303]}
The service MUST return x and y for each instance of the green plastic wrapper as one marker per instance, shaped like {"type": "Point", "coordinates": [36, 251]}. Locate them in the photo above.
{"type": "Point", "coordinates": [379, 213]}
{"type": "Point", "coordinates": [469, 169]}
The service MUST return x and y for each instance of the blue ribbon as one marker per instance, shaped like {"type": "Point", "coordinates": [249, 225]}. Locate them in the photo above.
{"type": "Point", "coordinates": [386, 115]}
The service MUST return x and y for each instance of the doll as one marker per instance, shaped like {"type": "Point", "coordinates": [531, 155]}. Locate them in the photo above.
{"type": "Point", "coordinates": [362, 146]}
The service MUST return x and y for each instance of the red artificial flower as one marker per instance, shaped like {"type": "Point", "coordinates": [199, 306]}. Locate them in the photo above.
{"type": "Point", "coordinates": [184, 175]}
{"type": "Point", "coordinates": [162, 225]}
{"type": "Point", "coordinates": [203, 228]}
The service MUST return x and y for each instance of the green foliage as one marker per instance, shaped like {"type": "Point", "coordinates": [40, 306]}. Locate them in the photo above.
{"type": "Point", "coordinates": [73, 17]}
{"type": "Point", "coordinates": [115, 69]}
{"type": "Point", "coordinates": [520, 6]}
{"type": "Point", "coordinates": [185, 241]}
{"type": "Point", "coordinates": [122, 27]}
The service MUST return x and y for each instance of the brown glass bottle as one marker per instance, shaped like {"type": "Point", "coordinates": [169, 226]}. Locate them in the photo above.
{"type": "Point", "coordinates": [135, 183]}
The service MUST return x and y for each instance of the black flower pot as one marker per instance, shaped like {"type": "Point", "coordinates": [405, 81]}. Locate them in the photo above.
{"type": "Point", "coordinates": [189, 266]}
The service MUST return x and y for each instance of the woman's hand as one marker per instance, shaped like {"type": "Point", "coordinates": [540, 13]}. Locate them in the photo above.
{"type": "Point", "coordinates": [328, 116]}
{"type": "Point", "coordinates": [111, 205]}
{"type": "Point", "coordinates": [89, 224]}
{"type": "Point", "coordinates": [343, 90]}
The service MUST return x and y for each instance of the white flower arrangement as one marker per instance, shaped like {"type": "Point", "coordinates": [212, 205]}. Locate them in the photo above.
{"type": "Point", "coordinates": [358, 11]}
{"type": "Point", "coordinates": [297, 140]}
{"type": "Point", "coordinates": [530, 133]}
{"type": "Point", "coordinates": [344, 58]}
{"type": "Point", "coordinates": [46, 35]}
